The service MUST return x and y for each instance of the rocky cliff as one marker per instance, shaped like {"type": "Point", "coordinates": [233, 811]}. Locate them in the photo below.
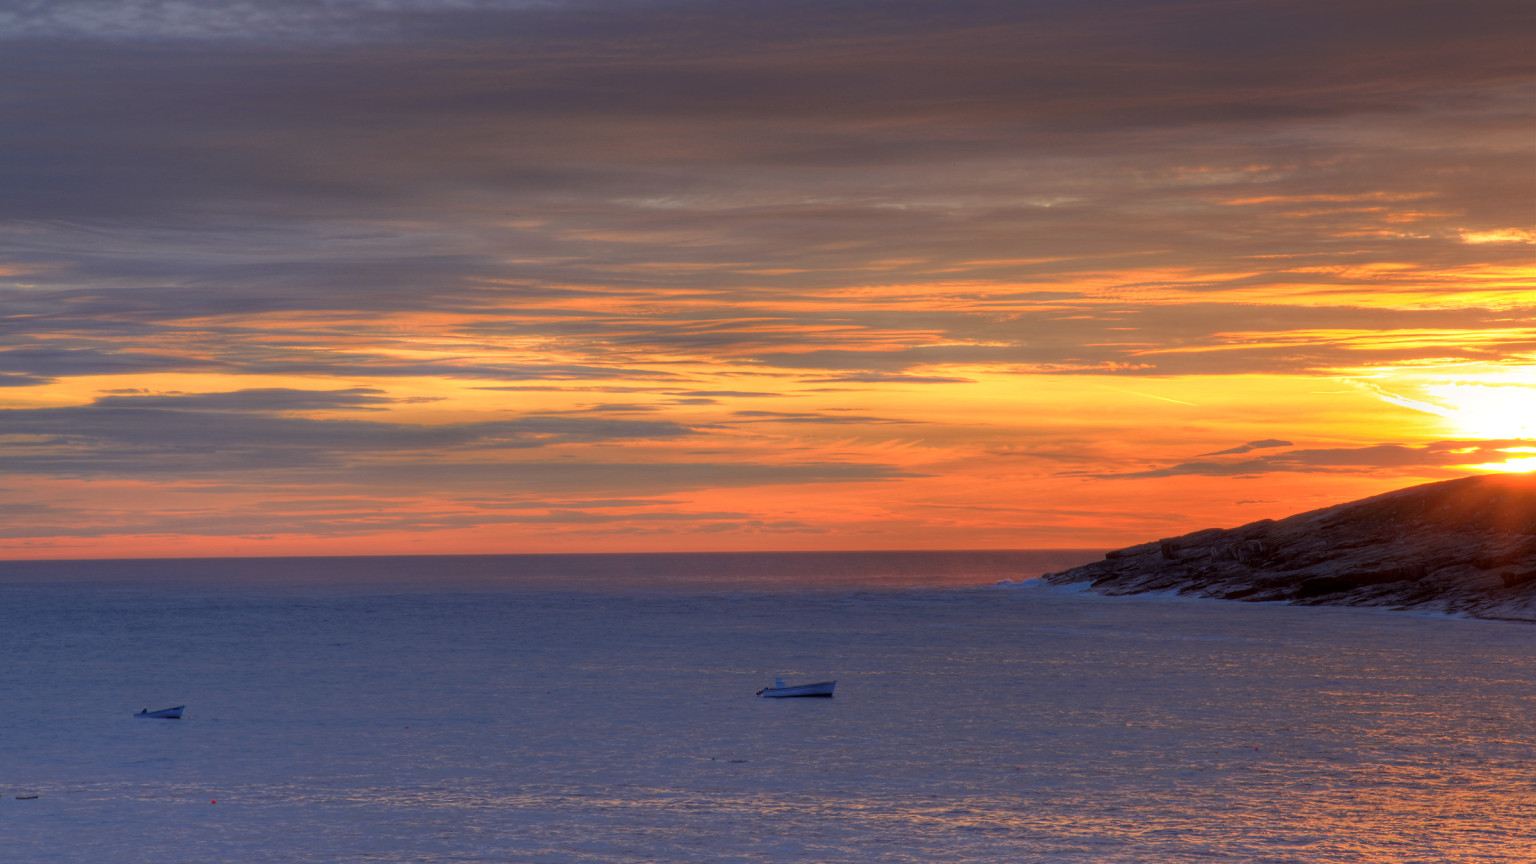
{"type": "Point", "coordinates": [1464, 546]}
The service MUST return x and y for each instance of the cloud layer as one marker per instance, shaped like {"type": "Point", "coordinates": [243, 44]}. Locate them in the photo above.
{"type": "Point", "coordinates": [922, 248]}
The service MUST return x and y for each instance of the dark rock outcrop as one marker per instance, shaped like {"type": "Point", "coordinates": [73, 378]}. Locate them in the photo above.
{"type": "Point", "coordinates": [1464, 546]}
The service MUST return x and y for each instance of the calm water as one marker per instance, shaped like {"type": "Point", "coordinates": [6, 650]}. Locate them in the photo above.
{"type": "Point", "coordinates": [430, 718]}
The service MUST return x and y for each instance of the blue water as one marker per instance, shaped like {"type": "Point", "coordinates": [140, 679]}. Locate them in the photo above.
{"type": "Point", "coordinates": [400, 710]}
{"type": "Point", "coordinates": [600, 573]}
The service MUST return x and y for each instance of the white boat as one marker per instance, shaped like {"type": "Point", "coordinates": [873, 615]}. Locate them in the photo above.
{"type": "Point", "coordinates": [163, 713]}
{"type": "Point", "coordinates": [780, 691]}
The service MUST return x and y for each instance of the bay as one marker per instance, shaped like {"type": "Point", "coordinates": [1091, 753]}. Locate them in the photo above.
{"type": "Point", "coordinates": [403, 711]}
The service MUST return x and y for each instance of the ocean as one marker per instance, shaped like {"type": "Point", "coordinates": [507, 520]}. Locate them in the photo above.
{"type": "Point", "coordinates": [579, 709]}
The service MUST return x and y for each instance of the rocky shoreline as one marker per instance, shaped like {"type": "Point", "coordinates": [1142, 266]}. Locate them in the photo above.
{"type": "Point", "coordinates": [1465, 546]}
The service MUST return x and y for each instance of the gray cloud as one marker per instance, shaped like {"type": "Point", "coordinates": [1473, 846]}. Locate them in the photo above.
{"type": "Point", "coordinates": [728, 394]}
{"type": "Point", "coordinates": [1067, 337]}
{"type": "Point", "coordinates": [1184, 338]}
{"type": "Point", "coordinates": [889, 378]}
{"type": "Point", "coordinates": [181, 436]}
{"type": "Point", "coordinates": [338, 522]}
{"type": "Point", "coordinates": [817, 418]}
{"type": "Point", "coordinates": [1348, 459]}
{"type": "Point", "coordinates": [43, 364]}
{"type": "Point", "coordinates": [254, 443]}
{"type": "Point", "coordinates": [163, 169]}
{"type": "Point", "coordinates": [254, 400]}
{"type": "Point", "coordinates": [614, 103]}
{"type": "Point", "coordinates": [235, 351]}
{"type": "Point", "coordinates": [575, 477]}
{"type": "Point", "coordinates": [1250, 447]}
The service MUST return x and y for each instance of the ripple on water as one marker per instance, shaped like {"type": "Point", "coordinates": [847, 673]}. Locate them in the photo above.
{"type": "Point", "coordinates": [968, 727]}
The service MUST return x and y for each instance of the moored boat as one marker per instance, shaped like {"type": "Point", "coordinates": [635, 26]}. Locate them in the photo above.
{"type": "Point", "coordinates": [780, 691]}
{"type": "Point", "coordinates": [163, 713]}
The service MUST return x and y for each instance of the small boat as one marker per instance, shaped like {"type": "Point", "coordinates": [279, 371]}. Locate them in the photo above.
{"type": "Point", "coordinates": [780, 691]}
{"type": "Point", "coordinates": [163, 713]}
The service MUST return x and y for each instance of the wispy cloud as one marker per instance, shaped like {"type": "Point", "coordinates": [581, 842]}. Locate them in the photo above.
{"type": "Point", "coordinates": [1441, 454]}
{"type": "Point", "coordinates": [1250, 447]}
{"type": "Point", "coordinates": [806, 417]}
{"type": "Point", "coordinates": [183, 435]}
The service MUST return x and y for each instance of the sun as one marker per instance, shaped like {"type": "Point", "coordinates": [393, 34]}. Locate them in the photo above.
{"type": "Point", "coordinates": [1526, 465]}
{"type": "Point", "coordinates": [1504, 413]}
{"type": "Point", "coordinates": [1493, 412]}
{"type": "Point", "coordinates": [1474, 410]}
{"type": "Point", "coordinates": [1497, 407]}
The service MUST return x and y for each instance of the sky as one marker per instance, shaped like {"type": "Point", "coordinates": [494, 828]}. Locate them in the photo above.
{"type": "Point", "coordinates": [463, 276]}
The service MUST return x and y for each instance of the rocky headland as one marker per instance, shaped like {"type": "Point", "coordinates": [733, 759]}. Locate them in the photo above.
{"type": "Point", "coordinates": [1464, 546]}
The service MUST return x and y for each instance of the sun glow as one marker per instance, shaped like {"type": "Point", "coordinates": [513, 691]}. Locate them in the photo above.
{"type": "Point", "coordinates": [1496, 406]}
{"type": "Point", "coordinates": [1483, 411]}
{"type": "Point", "coordinates": [1479, 402]}
{"type": "Point", "coordinates": [1474, 410]}
{"type": "Point", "coordinates": [1524, 465]}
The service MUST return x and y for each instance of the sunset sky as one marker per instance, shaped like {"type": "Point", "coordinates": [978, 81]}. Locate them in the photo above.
{"type": "Point", "coordinates": [442, 276]}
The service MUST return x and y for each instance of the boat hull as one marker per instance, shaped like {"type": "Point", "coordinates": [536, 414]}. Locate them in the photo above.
{"type": "Point", "coordinates": [162, 714]}
{"type": "Point", "coordinates": [821, 689]}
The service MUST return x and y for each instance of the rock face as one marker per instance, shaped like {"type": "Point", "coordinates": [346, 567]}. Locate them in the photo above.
{"type": "Point", "coordinates": [1465, 546]}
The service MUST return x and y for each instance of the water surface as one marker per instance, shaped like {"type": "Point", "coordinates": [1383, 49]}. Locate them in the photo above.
{"type": "Point", "coordinates": [529, 723]}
